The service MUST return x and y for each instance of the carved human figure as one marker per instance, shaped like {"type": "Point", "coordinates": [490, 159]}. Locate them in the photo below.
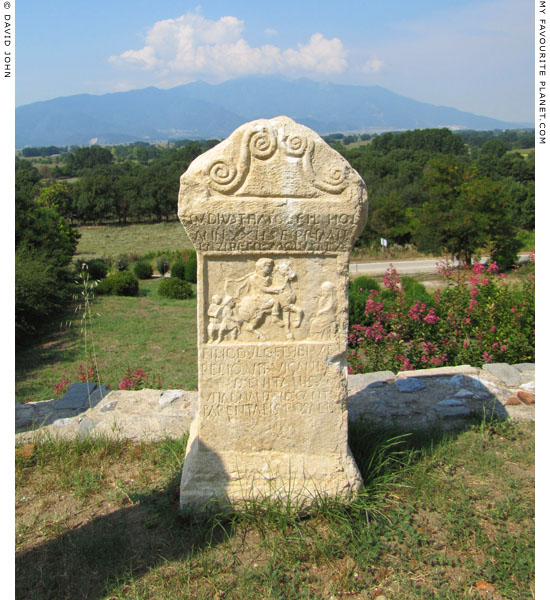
{"type": "Point", "coordinates": [323, 325]}
{"type": "Point", "coordinates": [258, 300]}
{"type": "Point", "coordinates": [229, 324]}
{"type": "Point", "coordinates": [287, 298]}
{"type": "Point", "coordinates": [214, 312]}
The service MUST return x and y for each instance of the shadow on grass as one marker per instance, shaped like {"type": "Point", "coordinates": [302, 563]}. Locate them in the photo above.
{"type": "Point", "coordinates": [115, 549]}
{"type": "Point", "coordinates": [57, 342]}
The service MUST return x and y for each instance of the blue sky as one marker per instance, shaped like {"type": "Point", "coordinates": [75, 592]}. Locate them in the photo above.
{"type": "Point", "coordinates": [474, 55]}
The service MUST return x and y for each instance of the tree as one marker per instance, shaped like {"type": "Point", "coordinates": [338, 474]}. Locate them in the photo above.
{"type": "Point", "coordinates": [59, 197]}
{"type": "Point", "coordinates": [462, 212]}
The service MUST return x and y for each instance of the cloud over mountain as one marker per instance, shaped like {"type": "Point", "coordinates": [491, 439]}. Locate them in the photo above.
{"type": "Point", "coordinates": [192, 46]}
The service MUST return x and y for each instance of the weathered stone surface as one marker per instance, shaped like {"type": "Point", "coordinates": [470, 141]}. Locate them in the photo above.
{"type": "Point", "coordinates": [512, 401]}
{"type": "Point", "coordinates": [526, 397]}
{"type": "Point", "coordinates": [139, 418]}
{"type": "Point", "coordinates": [409, 385]}
{"type": "Point", "coordinates": [273, 212]}
{"type": "Point", "coordinates": [450, 402]}
{"type": "Point", "coordinates": [525, 367]}
{"type": "Point", "coordinates": [77, 395]}
{"type": "Point", "coordinates": [503, 371]}
{"type": "Point", "coordinates": [363, 380]}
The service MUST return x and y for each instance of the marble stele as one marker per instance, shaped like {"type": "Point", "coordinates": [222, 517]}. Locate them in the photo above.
{"type": "Point", "coordinates": [273, 213]}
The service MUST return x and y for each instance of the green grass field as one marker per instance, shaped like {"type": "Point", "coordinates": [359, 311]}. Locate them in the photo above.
{"type": "Point", "coordinates": [112, 240]}
{"type": "Point", "coordinates": [439, 519]}
{"type": "Point", "coordinates": [148, 332]}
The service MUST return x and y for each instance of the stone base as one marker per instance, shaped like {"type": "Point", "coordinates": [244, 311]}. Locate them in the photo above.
{"type": "Point", "coordinates": [230, 479]}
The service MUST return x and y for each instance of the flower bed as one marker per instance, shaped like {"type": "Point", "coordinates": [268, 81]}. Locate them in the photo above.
{"type": "Point", "coordinates": [478, 318]}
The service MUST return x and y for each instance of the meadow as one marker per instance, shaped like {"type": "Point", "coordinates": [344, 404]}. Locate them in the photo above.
{"type": "Point", "coordinates": [123, 334]}
{"type": "Point", "coordinates": [441, 517]}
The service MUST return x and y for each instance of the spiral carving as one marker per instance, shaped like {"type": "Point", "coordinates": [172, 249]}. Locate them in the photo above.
{"type": "Point", "coordinates": [335, 175]}
{"type": "Point", "coordinates": [263, 143]}
{"type": "Point", "coordinates": [295, 145]}
{"type": "Point", "coordinates": [222, 173]}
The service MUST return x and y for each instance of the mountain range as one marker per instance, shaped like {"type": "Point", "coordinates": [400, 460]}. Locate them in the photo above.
{"type": "Point", "coordinates": [202, 110]}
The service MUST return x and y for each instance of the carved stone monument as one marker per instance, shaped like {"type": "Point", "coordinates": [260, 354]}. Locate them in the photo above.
{"type": "Point", "coordinates": [273, 212]}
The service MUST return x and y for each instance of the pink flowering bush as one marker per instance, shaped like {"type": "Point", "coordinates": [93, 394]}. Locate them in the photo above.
{"type": "Point", "coordinates": [477, 318]}
{"type": "Point", "coordinates": [138, 380]}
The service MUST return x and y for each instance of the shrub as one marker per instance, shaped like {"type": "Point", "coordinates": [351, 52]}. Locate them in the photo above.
{"type": "Point", "coordinates": [97, 268]}
{"type": "Point", "coordinates": [123, 283]}
{"type": "Point", "coordinates": [364, 283]}
{"type": "Point", "coordinates": [178, 269]}
{"type": "Point", "coordinates": [415, 291]}
{"type": "Point", "coordinates": [191, 267]}
{"type": "Point", "coordinates": [477, 319]}
{"type": "Point", "coordinates": [122, 262]}
{"type": "Point", "coordinates": [143, 270]}
{"type": "Point", "coordinates": [163, 265]}
{"type": "Point", "coordinates": [174, 287]}
{"type": "Point", "coordinates": [358, 295]}
{"type": "Point", "coordinates": [41, 290]}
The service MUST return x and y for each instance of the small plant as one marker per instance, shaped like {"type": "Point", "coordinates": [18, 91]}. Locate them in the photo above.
{"type": "Point", "coordinates": [61, 387]}
{"type": "Point", "coordinates": [138, 380]}
{"type": "Point", "coordinates": [178, 270]}
{"type": "Point", "coordinates": [163, 265]}
{"type": "Point", "coordinates": [175, 288]}
{"type": "Point", "coordinates": [143, 270]}
{"type": "Point", "coordinates": [123, 283]}
{"type": "Point", "coordinates": [86, 375]}
{"type": "Point", "coordinates": [122, 263]}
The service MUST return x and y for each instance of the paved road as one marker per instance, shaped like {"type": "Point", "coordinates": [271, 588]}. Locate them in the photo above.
{"type": "Point", "coordinates": [406, 267]}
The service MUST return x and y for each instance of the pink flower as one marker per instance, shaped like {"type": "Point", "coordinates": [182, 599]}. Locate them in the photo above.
{"type": "Point", "coordinates": [503, 348]}
{"type": "Point", "coordinates": [431, 317]}
{"type": "Point", "coordinates": [465, 344]}
{"type": "Point", "coordinates": [486, 357]}
{"type": "Point", "coordinates": [493, 267]}
{"type": "Point", "coordinates": [473, 292]}
{"type": "Point", "coordinates": [472, 304]}
{"type": "Point", "coordinates": [493, 329]}
{"type": "Point", "coordinates": [477, 268]}
{"type": "Point", "coordinates": [467, 320]}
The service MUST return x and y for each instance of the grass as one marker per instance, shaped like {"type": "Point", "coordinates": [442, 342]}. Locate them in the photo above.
{"type": "Point", "coordinates": [112, 240]}
{"type": "Point", "coordinates": [149, 332]}
{"type": "Point", "coordinates": [440, 518]}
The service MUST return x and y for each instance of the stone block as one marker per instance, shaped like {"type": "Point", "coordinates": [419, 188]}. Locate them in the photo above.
{"type": "Point", "coordinates": [77, 396]}
{"type": "Point", "coordinates": [273, 213]}
{"type": "Point", "coordinates": [504, 372]}
{"type": "Point", "coordinates": [409, 385]}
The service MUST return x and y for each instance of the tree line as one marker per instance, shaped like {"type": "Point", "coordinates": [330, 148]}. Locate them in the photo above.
{"type": "Point", "coordinates": [427, 188]}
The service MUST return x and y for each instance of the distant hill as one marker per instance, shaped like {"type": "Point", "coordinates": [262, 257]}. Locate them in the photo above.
{"type": "Point", "coordinates": [201, 110]}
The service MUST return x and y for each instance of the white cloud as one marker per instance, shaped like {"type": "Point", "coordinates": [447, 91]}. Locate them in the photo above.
{"type": "Point", "coordinates": [192, 46]}
{"type": "Point", "coordinates": [271, 32]}
{"type": "Point", "coordinates": [374, 65]}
